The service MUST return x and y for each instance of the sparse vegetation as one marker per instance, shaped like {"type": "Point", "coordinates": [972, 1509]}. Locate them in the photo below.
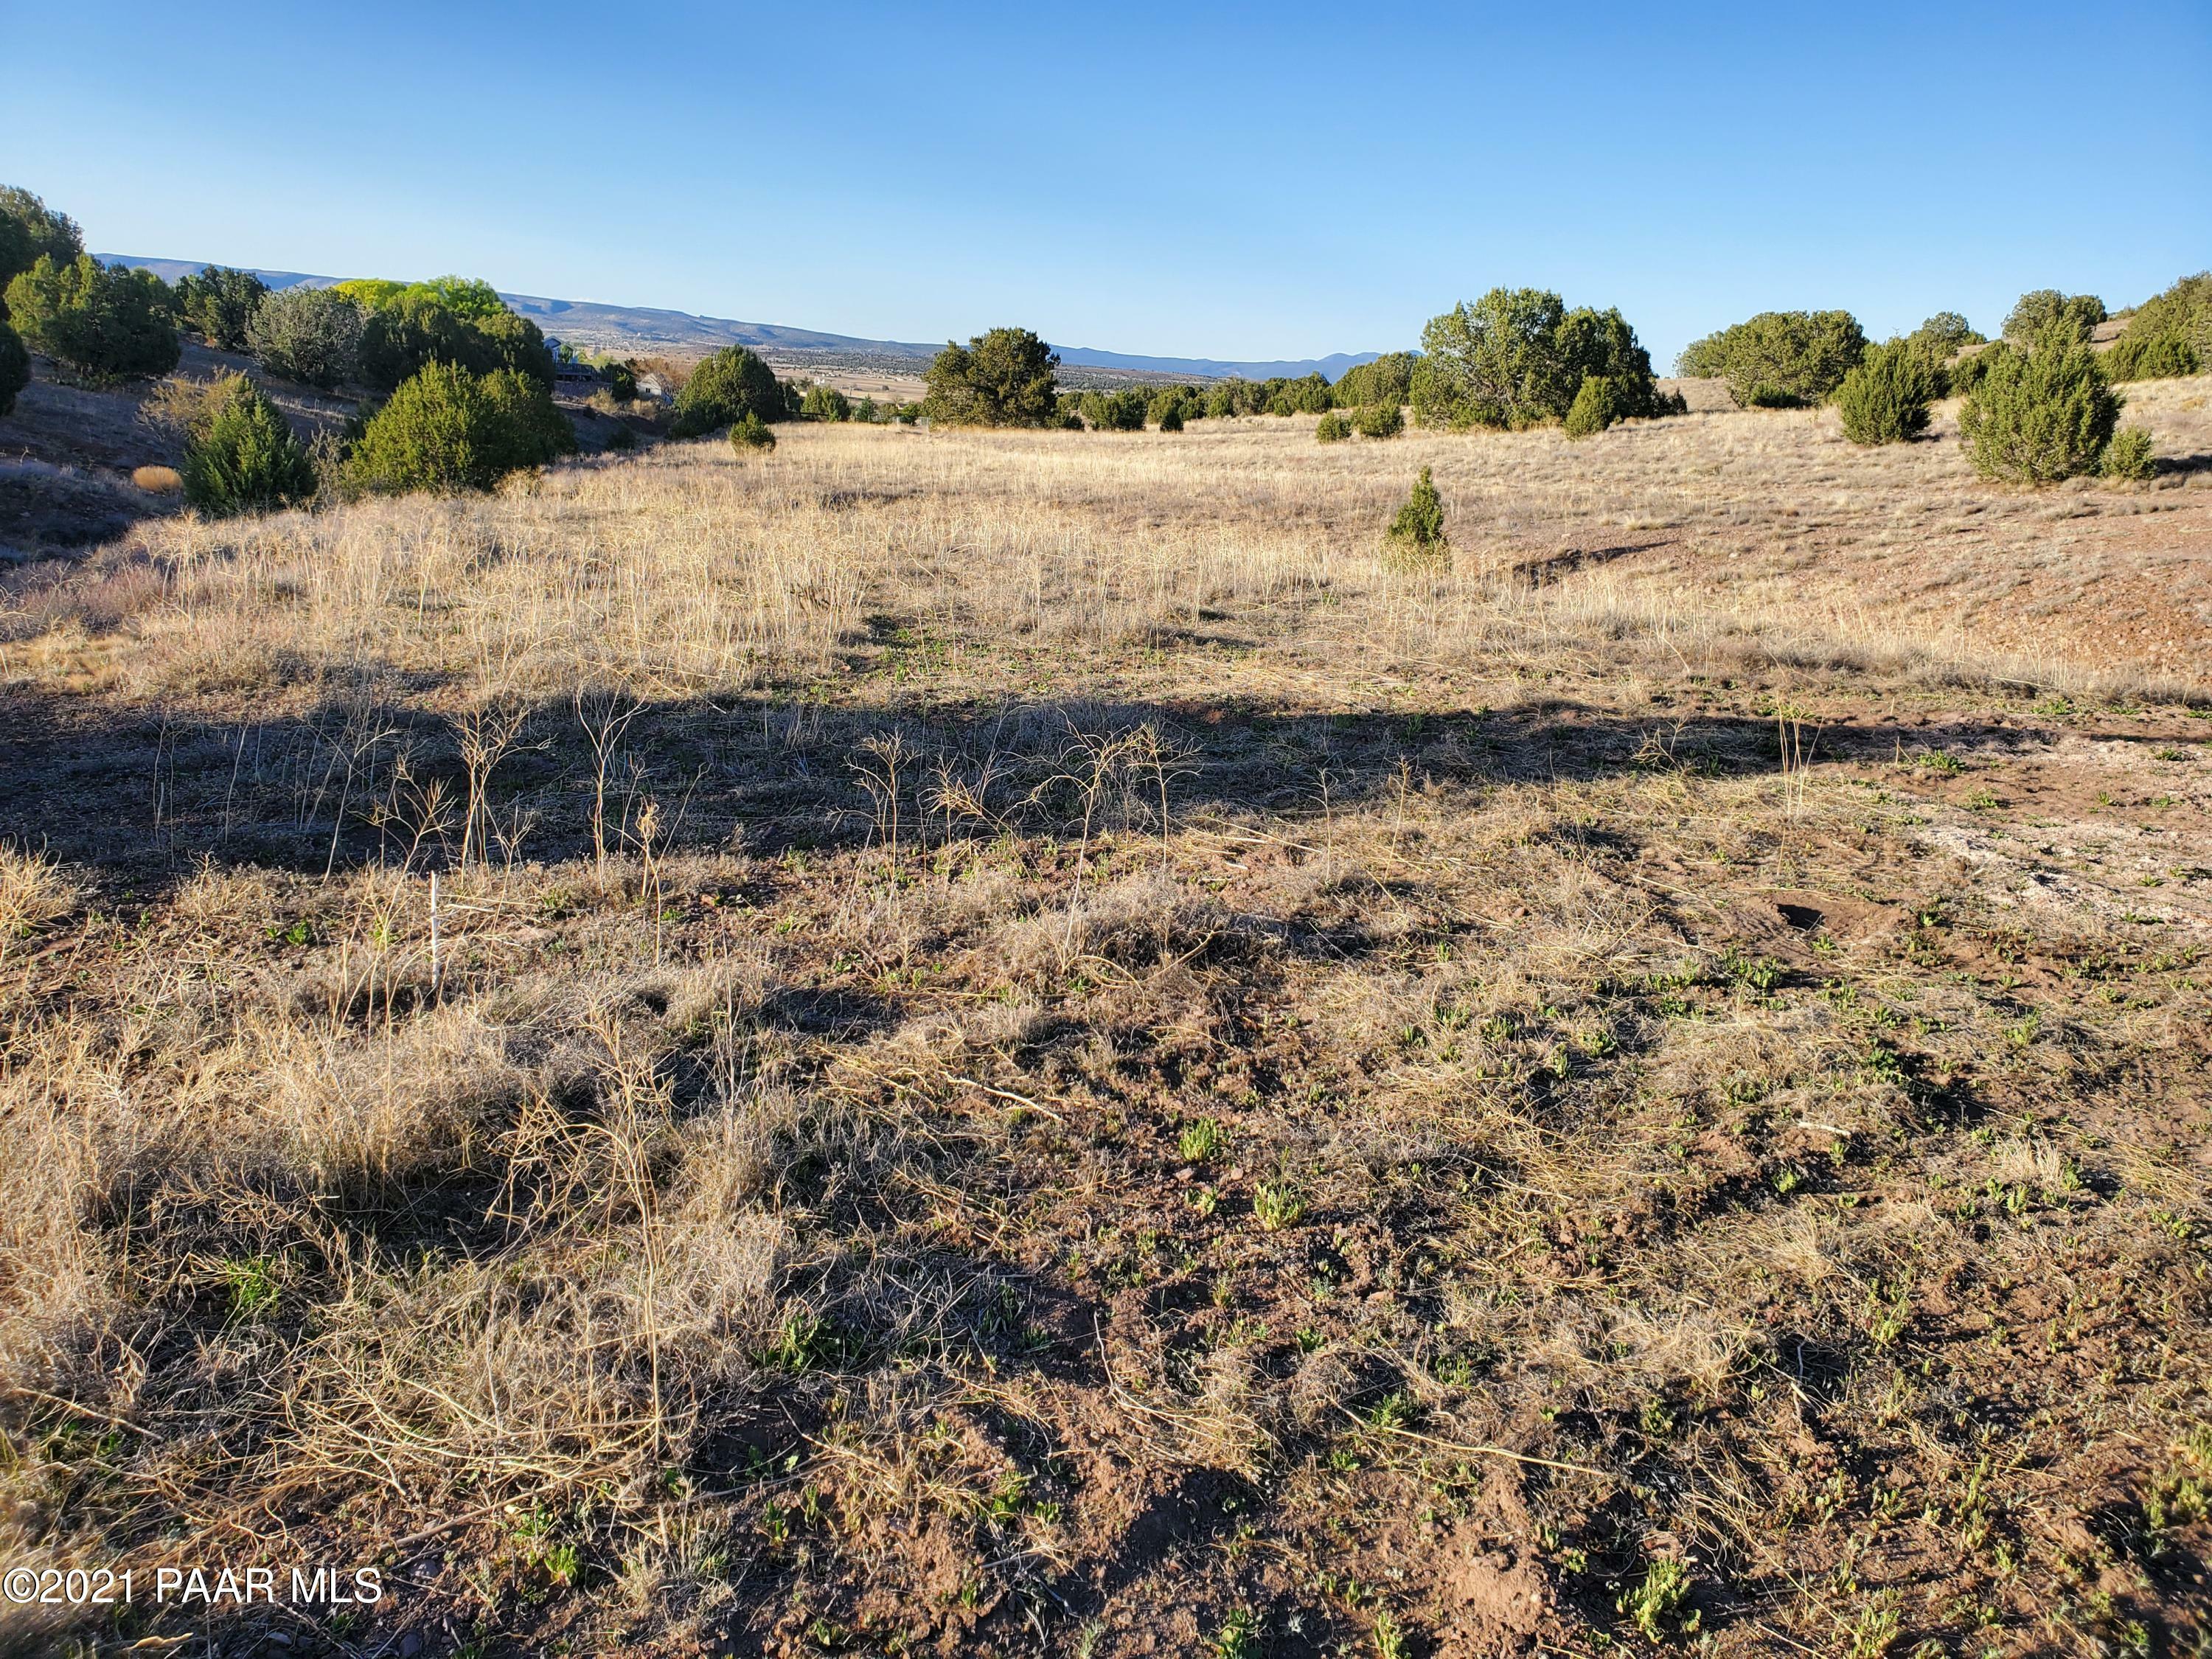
{"type": "Point", "coordinates": [1014, 1011]}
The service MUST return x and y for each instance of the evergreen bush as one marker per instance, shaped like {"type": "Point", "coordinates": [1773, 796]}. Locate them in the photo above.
{"type": "Point", "coordinates": [1779, 359]}
{"type": "Point", "coordinates": [29, 227]}
{"type": "Point", "coordinates": [2046, 315]}
{"type": "Point", "coordinates": [419, 328]}
{"type": "Point", "coordinates": [2129, 455]}
{"type": "Point", "coordinates": [2037, 417]}
{"type": "Point", "coordinates": [1385, 420]}
{"type": "Point", "coordinates": [106, 323]}
{"type": "Point", "coordinates": [447, 429]}
{"type": "Point", "coordinates": [1885, 399]}
{"type": "Point", "coordinates": [748, 431]}
{"type": "Point", "coordinates": [2152, 357]}
{"type": "Point", "coordinates": [1171, 421]}
{"type": "Point", "coordinates": [242, 457]}
{"type": "Point", "coordinates": [1593, 410]}
{"type": "Point", "coordinates": [221, 303]}
{"type": "Point", "coordinates": [1417, 533]}
{"type": "Point", "coordinates": [1002, 378]}
{"type": "Point", "coordinates": [1333, 429]}
{"type": "Point", "coordinates": [825, 403]}
{"type": "Point", "coordinates": [727, 387]}
{"type": "Point", "coordinates": [2168, 335]}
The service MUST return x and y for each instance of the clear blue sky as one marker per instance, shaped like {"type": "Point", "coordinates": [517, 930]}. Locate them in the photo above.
{"type": "Point", "coordinates": [1273, 181]}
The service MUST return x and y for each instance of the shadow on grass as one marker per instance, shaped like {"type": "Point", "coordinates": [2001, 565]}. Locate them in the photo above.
{"type": "Point", "coordinates": [140, 795]}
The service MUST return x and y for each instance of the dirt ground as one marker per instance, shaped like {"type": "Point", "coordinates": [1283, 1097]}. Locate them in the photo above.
{"type": "Point", "coordinates": [1034, 1044]}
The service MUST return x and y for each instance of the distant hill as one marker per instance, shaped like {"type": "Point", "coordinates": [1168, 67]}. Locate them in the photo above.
{"type": "Point", "coordinates": [644, 331]}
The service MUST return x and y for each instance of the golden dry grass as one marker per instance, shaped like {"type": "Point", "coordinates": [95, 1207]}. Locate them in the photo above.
{"type": "Point", "coordinates": [1697, 1011]}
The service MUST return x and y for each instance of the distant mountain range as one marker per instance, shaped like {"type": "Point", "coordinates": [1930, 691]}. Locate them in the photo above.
{"type": "Point", "coordinates": [642, 331]}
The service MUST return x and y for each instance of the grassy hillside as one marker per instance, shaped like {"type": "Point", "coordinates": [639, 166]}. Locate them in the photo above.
{"type": "Point", "coordinates": [1028, 1046]}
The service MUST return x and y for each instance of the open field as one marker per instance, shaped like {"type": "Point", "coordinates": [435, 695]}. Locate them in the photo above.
{"type": "Point", "coordinates": [1032, 1048]}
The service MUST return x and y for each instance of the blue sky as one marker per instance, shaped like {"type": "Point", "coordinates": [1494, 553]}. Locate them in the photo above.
{"type": "Point", "coordinates": [1273, 181]}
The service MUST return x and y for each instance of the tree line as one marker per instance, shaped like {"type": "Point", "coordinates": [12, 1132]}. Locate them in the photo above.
{"type": "Point", "coordinates": [461, 385]}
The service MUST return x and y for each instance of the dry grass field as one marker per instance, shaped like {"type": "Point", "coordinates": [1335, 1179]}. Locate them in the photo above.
{"type": "Point", "coordinates": [1028, 1047]}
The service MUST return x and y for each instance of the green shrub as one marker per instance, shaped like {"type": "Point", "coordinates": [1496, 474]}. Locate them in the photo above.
{"type": "Point", "coordinates": [1966, 374]}
{"type": "Point", "coordinates": [107, 323]}
{"type": "Point", "coordinates": [1518, 357]}
{"type": "Point", "coordinates": [2152, 356]}
{"type": "Point", "coordinates": [1885, 399]}
{"type": "Point", "coordinates": [1387, 379]}
{"type": "Point", "coordinates": [825, 403]}
{"type": "Point", "coordinates": [621, 438]}
{"type": "Point", "coordinates": [2129, 455]}
{"type": "Point", "coordinates": [1945, 335]}
{"type": "Point", "coordinates": [220, 303]}
{"type": "Point", "coordinates": [621, 380]}
{"type": "Point", "coordinates": [1601, 344]}
{"type": "Point", "coordinates": [1385, 420]}
{"type": "Point", "coordinates": [2046, 315]}
{"type": "Point", "coordinates": [243, 457]}
{"type": "Point", "coordinates": [1003, 378]}
{"type": "Point", "coordinates": [1418, 531]}
{"type": "Point", "coordinates": [15, 368]}
{"type": "Point", "coordinates": [1593, 409]}
{"type": "Point", "coordinates": [29, 227]}
{"type": "Point", "coordinates": [729, 385]}
{"type": "Point", "coordinates": [1184, 400]}
{"type": "Point", "coordinates": [1115, 411]}
{"type": "Point", "coordinates": [447, 430]}
{"type": "Point", "coordinates": [1172, 420]}
{"type": "Point", "coordinates": [1221, 401]}
{"type": "Point", "coordinates": [1333, 429]}
{"type": "Point", "coordinates": [1779, 359]}
{"type": "Point", "coordinates": [866, 409]}
{"type": "Point", "coordinates": [418, 328]}
{"type": "Point", "coordinates": [748, 431]}
{"type": "Point", "coordinates": [2037, 417]}
{"type": "Point", "coordinates": [2169, 335]}
{"type": "Point", "coordinates": [309, 334]}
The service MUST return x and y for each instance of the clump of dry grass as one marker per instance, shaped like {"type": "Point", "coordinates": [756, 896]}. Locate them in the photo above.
{"type": "Point", "coordinates": [34, 891]}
